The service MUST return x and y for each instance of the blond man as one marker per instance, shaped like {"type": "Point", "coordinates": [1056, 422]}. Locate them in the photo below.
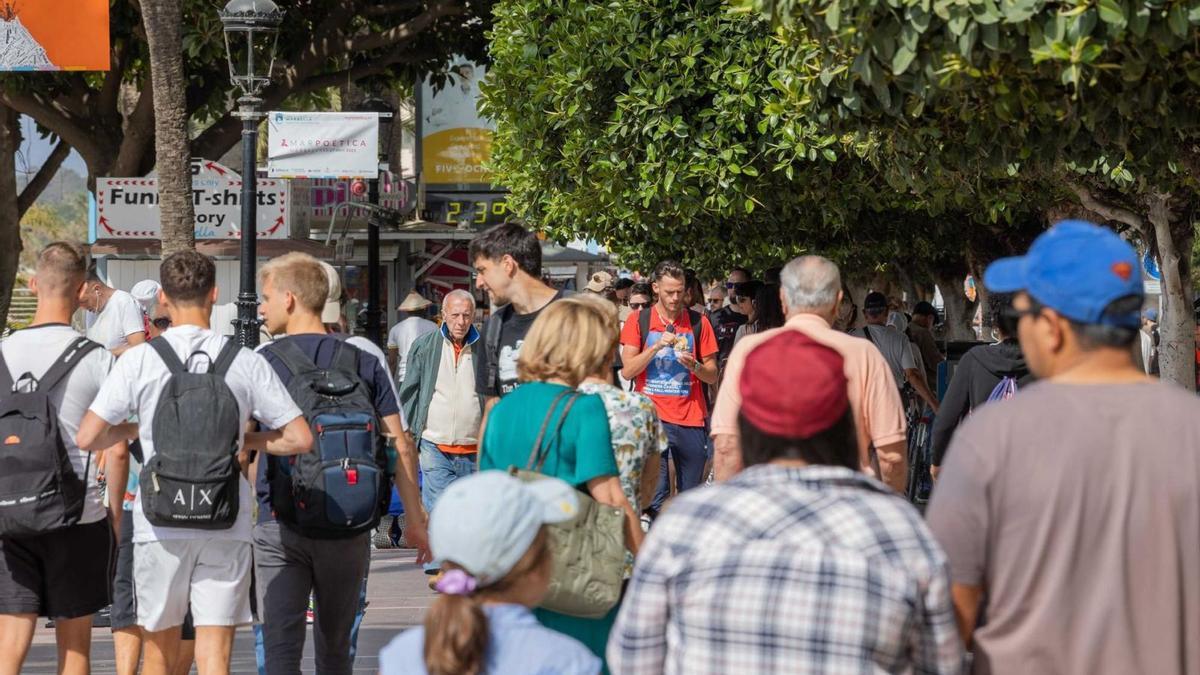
{"type": "Point", "coordinates": [291, 560]}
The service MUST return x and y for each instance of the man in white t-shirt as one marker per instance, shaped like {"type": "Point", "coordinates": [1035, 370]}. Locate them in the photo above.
{"type": "Point", "coordinates": [402, 336]}
{"type": "Point", "coordinates": [894, 346]}
{"type": "Point", "coordinates": [62, 574]}
{"type": "Point", "coordinates": [114, 317]}
{"type": "Point", "coordinates": [174, 566]}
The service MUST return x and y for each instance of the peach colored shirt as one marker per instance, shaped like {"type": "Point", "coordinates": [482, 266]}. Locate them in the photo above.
{"type": "Point", "coordinates": [874, 396]}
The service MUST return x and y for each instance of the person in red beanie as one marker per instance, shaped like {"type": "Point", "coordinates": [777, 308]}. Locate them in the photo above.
{"type": "Point", "coordinates": [801, 562]}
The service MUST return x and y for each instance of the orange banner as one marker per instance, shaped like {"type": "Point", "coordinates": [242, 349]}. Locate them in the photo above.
{"type": "Point", "coordinates": [54, 35]}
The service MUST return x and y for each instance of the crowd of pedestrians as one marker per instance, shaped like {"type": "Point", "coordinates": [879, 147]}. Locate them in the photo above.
{"type": "Point", "coordinates": [552, 464]}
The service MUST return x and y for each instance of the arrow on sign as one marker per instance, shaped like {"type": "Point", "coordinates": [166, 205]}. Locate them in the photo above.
{"type": "Point", "coordinates": [213, 167]}
{"type": "Point", "coordinates": [276, 226]}
{"type": "Point", "coordinates": [104, 223]}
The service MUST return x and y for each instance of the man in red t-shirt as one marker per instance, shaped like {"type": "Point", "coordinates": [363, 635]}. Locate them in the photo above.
{"type": "Point", "coordinates": [671, 368]}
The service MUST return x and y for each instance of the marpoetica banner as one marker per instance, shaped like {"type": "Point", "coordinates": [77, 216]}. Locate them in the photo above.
{"type": "Point", "coordinates": [322, 145]}
{"type": "Point", "coordinates": [40, 35]}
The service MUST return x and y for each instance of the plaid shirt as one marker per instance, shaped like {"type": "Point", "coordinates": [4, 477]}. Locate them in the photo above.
{"type": "Point", "coordinates": [788, 570]}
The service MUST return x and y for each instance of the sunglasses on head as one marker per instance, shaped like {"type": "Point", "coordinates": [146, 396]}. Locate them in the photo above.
{"type": "Point", "coordinates": [638, 305]}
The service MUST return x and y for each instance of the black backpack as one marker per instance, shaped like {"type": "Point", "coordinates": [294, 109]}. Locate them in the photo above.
{"type": "Point", "coordinates": [39, 490]}
{"type": "Point", "coordinates": [341, 488]}
{"type": "Point", "coordinates": [192, 480]}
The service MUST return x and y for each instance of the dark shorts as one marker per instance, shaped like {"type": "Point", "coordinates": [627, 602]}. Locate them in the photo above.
{"type": "Point", "coordinates": [124, 600]}
{"type": "Point", "coordinates": [60, 575]}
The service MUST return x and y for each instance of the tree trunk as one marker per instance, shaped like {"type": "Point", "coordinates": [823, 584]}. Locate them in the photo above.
{"type": "Point", "coordinates": [10, 219]}
{"type": "Point", "coordinates": [960, 312]}
{"type": "Point", "coordinates": [164, 20]}
{"type": "Point", "coordinates": [1177, 345]}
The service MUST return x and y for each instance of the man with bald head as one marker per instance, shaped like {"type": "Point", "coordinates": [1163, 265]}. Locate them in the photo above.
{"type": "Point", "coordinates": [439, 397]}
{"type": "Point", "coordinates": [811, 293]}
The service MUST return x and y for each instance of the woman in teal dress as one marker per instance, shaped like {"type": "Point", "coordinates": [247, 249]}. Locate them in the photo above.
{"type": "Point", "coordinates": [569, 341]}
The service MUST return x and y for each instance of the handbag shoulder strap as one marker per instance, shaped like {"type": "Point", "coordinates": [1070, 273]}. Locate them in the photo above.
{"type": "Point", "coordinates": [537, 458]}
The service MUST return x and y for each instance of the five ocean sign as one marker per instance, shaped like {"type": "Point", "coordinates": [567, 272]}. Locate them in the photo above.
{"type": "Point", "coordinates": [322, 145]}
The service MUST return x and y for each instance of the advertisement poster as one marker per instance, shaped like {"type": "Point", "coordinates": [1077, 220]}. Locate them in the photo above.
{"type": "Point", "coordinates": [322, 145]}
{"type": "Point", "coordinates": [455, 141]}
{"type": "Point", "coordinates": [127, 208]}
{"type": "Point", "coordinates": [38, 35]}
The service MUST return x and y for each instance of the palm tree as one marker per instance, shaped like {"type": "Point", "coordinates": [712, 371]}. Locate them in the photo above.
{"type": "Point", "coordinates": [163, 20]}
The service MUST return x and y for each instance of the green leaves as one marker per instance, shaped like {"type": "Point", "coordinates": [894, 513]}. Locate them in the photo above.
{"type": "Point", "coordinates": [1112, 13]}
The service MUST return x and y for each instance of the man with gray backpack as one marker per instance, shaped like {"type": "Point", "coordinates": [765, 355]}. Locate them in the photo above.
{"type": "Point", "coordinates": [56, 540]}
{"type": "Point", "coordinates": [316, 511]}
{"type": "Point", "coordinates": [193, 392]}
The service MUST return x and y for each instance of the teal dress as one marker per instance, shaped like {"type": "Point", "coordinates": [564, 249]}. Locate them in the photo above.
{"type": "Point", "coordinates": [581, 452]}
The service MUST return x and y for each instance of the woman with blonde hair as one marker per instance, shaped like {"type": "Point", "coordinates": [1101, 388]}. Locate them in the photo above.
{"type": "Point", "coordinates": [571, 340]}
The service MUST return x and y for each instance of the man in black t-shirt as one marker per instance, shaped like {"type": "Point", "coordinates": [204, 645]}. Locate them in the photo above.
{"type": "Point", "coordinates": [727, 320]}
{"type": "Point", "coordinates": [508, 265]}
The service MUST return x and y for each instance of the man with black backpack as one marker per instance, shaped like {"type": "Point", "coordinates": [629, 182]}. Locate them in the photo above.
{"type": "Point", "coordinates": [193, 392]}
{"type": "Point", "coordinates": [672, 351]}
{"type": "Point", "coordinates": [56, 540]}
{"type": "Point", "coordinates": [316, 512]}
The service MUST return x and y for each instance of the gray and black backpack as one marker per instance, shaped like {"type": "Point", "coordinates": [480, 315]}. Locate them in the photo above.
{"type": "Point", "coordinates": [192, 479]}
{"type": "Point", "coordinates": [341, 488]}
{"type": "Point", "coordinates": [39, 489]}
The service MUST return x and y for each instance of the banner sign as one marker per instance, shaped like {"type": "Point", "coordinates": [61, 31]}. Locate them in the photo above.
{"type": "Point", "coordinates": [41, 35]}
{"type": "Point", "coordinates": [322, 145]}
{"type": "Point", "coordinates": [127, 208]}
{"type": "Point", "coordinates": [455, 141]}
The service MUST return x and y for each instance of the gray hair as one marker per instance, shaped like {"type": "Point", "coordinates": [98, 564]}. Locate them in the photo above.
{"type": "Point", "coordinates": [458, 293]}
{"type": "Point", "coordinates": [811, 282]}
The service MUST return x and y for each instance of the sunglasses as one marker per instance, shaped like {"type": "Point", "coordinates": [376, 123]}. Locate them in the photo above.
{"type": "Point", "coordinates": [162, 323]}
{"type": "Point", "coordinates": [638, 305]}
{"type": "Point", "coordinates": [715, 301]}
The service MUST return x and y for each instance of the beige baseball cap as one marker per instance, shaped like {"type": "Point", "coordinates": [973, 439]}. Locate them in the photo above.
{"type": "Point", "coordinates": [333, 308]}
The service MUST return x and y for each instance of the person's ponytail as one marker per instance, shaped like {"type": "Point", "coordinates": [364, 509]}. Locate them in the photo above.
{"type": "Point", "coordinates": [456, 636]}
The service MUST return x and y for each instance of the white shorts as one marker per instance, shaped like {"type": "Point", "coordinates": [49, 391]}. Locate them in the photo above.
{"type": "Point", "coordinates": [212, 575]}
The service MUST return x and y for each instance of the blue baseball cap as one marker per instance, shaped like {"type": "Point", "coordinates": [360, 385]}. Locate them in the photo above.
{"type": "Point", "coordinates": [486, 522]}
{"type": "Point", "coordinates": [1077, 269]}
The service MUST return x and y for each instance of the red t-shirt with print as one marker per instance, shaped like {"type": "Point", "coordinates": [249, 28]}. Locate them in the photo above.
{"type": "Point", "coordinates": [675, 390]}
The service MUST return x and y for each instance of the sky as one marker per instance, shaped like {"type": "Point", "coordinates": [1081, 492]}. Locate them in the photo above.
{"type": "Point", "coordinates": [35, 150]}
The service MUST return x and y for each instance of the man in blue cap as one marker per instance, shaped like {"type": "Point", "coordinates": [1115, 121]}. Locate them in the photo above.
{"type": "Point", "coordinates": [1073, 510]}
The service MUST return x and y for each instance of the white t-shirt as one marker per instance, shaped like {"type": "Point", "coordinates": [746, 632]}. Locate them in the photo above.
{"type": "Point", "coordinates": [138, 380]}
{"type": "Point", "coordinates": [895, 348]}
{"type": "Point", "coordinates": [121, 317]}
{"type": "Point", "coordinates": [33, 350]}
{"type": "Point", "coordinates": [403, 335]}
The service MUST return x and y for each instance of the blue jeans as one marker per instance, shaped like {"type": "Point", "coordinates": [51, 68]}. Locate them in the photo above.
{"type": "Point", "coordinates": [440, 469]}
{"type": "Point", "coordinates": [688, 446]}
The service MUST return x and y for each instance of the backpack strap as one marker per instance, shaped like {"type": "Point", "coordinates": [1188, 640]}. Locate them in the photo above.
{"type": "Point", "coordinates": [643, 326]}
{"type": "Point", "coordinates": [694, 317]}
{"type": "Point", "coordinates": [345, 357]}
{"type": "Point", "coordinates": [537, 458]}
{"type": "Point", "coordinates": [6, 381]}
{"type": "Point", "coordinates": [225, 357]}
{"type": "Point", "coordinates": [70, 358]}
{"type": "Point", "coordinates": [491, 343]}
{"type": "Point", "coordinates": [168, 355]}
{"type": "Point", "coordinates": [292, 357]}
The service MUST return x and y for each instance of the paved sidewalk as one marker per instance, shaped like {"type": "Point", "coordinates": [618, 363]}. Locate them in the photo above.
{"type": "Point", "coordinates": [396, 591]}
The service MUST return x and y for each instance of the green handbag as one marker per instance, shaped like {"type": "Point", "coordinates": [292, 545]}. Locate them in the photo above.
{"type": "Point", "coordinates": [589, 550]}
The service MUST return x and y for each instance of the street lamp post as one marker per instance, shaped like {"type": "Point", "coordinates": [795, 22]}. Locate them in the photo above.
{"type": "Point", "coordinates": [251, 28]}
{"type": "Point", "coordinates": [374, 310]}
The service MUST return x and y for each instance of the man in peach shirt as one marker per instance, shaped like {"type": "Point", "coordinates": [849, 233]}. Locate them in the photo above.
{"type": "Point", "coordinates": [811, 291]}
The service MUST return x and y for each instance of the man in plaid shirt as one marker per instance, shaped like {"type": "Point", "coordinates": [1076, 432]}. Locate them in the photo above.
{"type": "Point", "coordinates": [800, 563]}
